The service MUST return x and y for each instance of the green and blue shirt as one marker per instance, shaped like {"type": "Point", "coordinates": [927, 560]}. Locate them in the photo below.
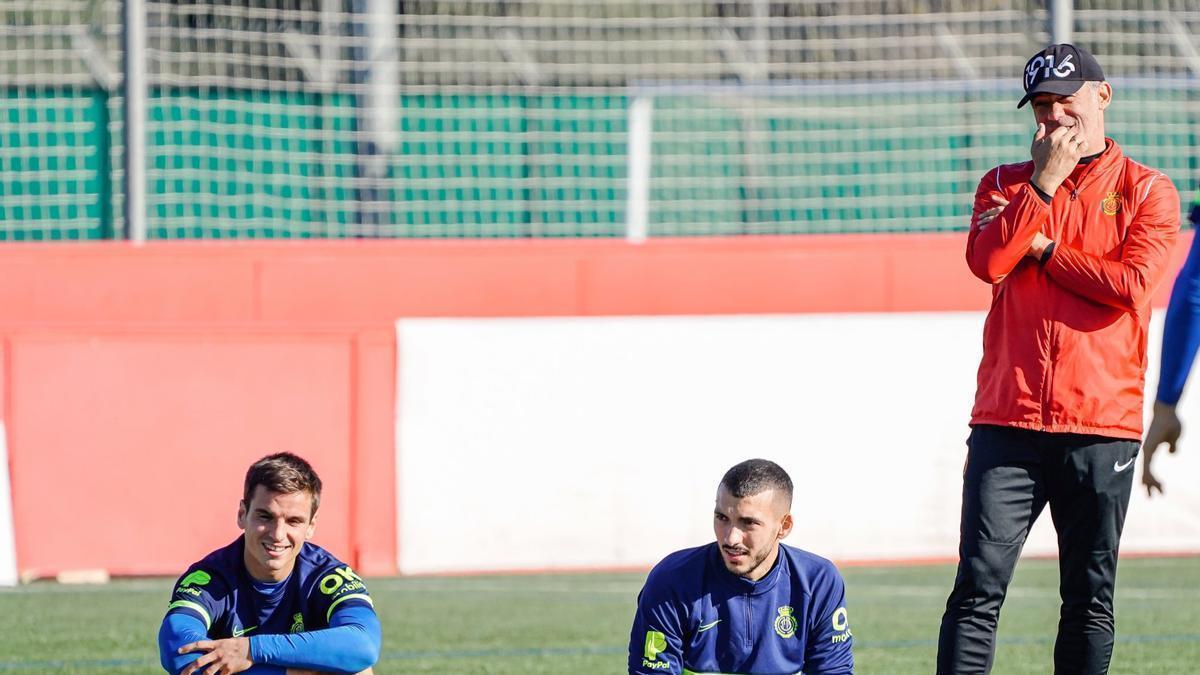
{"type": "Point", "coordinates": [694, 616]}
{"type": "Point", "coordinates": [319, 618]}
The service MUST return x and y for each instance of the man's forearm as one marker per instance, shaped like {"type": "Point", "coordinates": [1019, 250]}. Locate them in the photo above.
{"type": "Point", "coordinates": [179, 629]}
{"type": "Point", "coordinates": [1124, 285]}
{"type": "Point", "coordinates": [1181, 332]}
{"type": "Point", "coordinates": [994, 251]}
{"type": "Point", "coordinates": [351, 644]}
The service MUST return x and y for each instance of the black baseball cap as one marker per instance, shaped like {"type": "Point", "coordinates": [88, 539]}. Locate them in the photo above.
{"type": "Point", "coordinates": [1059, 69]}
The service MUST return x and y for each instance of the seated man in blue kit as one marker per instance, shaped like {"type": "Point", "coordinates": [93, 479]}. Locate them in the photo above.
{"type": "Point", "coordinates": [745, 603]}
{"type": "Point", "coordinates": [271, 602]}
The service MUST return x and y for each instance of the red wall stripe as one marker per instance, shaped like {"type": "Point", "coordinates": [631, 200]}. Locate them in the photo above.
{"type": "Point", "coordinates": [374, 282]}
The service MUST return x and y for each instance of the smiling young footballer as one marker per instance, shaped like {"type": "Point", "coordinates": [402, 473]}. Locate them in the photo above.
{"type": "Point", "coordinates": [270, 602]}
{"type": "Point", "coordinates": [745, 603]}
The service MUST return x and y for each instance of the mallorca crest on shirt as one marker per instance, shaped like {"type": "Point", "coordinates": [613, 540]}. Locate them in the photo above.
{"type": "Point", "coordinates": [785, 623]}
{"type": "Point", "coordinates": [1111, 204]}
{"type": "Point", "coordinates": [298, 623]}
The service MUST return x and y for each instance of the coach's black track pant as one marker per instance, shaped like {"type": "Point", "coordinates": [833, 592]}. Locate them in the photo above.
{"type": "Point", "coordinates": [1011, 474]}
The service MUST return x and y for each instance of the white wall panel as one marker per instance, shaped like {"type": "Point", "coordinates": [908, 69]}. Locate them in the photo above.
{"type": "Point", "coordinates": [8, 553]}
{"type": "Point", "coordinates": [598, 442]}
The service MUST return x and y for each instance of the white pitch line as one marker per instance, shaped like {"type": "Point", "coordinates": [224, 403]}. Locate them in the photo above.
{"type": "Point", "coordinates": [917, 591]}
{"type": "Point", "coordinates": [450, 587]}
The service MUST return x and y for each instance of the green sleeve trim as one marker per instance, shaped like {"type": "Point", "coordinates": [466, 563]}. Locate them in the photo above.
{"type": "Point", "coordinates": [354, 596]}
{"type": "Point", "coordinates": [193, 606]}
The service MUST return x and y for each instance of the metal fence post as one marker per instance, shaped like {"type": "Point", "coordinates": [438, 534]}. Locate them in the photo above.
{"type": "Point", "coordinates": [641, 112]}
{"type": "Point", "coordinates": [1062, 20]}
{"type": "Point", "coordinates": [135, 120]}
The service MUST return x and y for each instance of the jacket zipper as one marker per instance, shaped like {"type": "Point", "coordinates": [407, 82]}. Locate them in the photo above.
{"type": "Point", "coordinates": [1048, 392]}
{"type": "Point", "coordinates": [749, 642]}
{"type": "Point", "coordinates": [1052, 342]}
{"type": "Point", "coordinates": [1052, 333]}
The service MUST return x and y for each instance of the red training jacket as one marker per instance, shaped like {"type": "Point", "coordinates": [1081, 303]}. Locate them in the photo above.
{"type": "Point", "coordinates": [1064, 345]}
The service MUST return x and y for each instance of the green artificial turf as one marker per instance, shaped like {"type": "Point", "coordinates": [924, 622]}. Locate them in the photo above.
{"type": "Point", "coordinates": [580, 623]}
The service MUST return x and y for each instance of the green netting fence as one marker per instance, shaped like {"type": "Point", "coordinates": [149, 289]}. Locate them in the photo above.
{"type": "Point", "coordinates": [476, 118]}
{"type": "Point", "coordinates": [246, 164]}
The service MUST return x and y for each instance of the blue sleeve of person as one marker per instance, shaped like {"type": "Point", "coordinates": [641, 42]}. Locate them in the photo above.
{"type": "Point", "coordinates": [350, 644]}
{"type": "Point", "coordinates": [1181, 332]}
{"type": "Point", "coordinates": [830, 643]}
{"type": "Point", "coordinates": [339, 587]}
{"type": "Point", "coordinates": [656, 640]}
{"type": "Point", "coordinates": [200, 594]}
{"type": "Point", "coordinates": [181, 628]}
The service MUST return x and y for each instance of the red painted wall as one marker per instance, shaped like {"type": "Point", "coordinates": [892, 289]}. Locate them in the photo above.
{"type": "Point", "coordinates": [377, 281]}
{"type": "Point", "coordinates": [137, 383]}
{"type": "Point", "coordinates": [129, 446]}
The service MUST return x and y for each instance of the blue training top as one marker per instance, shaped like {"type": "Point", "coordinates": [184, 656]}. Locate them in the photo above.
{"type": "Point", "coordinates": [319, 618]}
{"type": "Point", "coordinates": [1181, 332]}
{"type": "Point", "coordinates": [695, 616]}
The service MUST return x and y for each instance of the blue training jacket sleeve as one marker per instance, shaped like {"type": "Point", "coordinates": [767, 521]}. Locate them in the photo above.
{"type": "Point", "coordinates": [830, 644]}
{"type": "Point", "coordinates": [179, 629]}
{"type": "Point", "coordinates": [350, 644]}
{"type": "Point", "coordinates": [1181, 332]}
{"type": "Point", "coordinates": [340, 587]}
{"type": "Point", "coordinates": [201, 594]}
{"type": "Point", "coordinates": [656, 640]}
{"type": "Point", "coordinates": [197, 602]}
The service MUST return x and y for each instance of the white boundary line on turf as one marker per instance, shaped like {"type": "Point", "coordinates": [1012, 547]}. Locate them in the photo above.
{"type": "Point", "coordinates": [1050, 592]}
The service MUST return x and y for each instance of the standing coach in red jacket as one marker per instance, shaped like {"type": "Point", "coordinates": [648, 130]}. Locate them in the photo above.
{"type": "Point", "coordinates": [1074, 242]}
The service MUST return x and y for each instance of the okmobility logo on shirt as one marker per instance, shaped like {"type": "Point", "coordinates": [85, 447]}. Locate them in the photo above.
{"type": "Point", "coordinates": [656, 643]}
{"type": "Point", "coordinates": [841, 624]}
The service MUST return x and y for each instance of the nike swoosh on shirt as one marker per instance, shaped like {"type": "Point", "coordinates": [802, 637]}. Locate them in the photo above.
{"type": "Point", "coordinates": [239, 632]}
{"type": "Point", "coordinates": [1119, 467]}
{"type": "Point", "coordinates": [706, 626]}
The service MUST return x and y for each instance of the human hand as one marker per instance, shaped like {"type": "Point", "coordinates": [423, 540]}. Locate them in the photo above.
{"type": "Point", "coordinates": [1055, 155]}
{"type": "Point", "coordinates": [1038, 246]}
{"type": "Point", "coordinates": [990, 215]}
{"type": "Point", "coordinates": [222, 657]}
{"type": "Point", "coordinates": [1165, 427]}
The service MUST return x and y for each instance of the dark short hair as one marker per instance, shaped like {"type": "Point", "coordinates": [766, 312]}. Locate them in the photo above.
{"type": "Point", "coordinates": [757, 475]}
{"type": "Point", "coordinates": [285, 473]}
